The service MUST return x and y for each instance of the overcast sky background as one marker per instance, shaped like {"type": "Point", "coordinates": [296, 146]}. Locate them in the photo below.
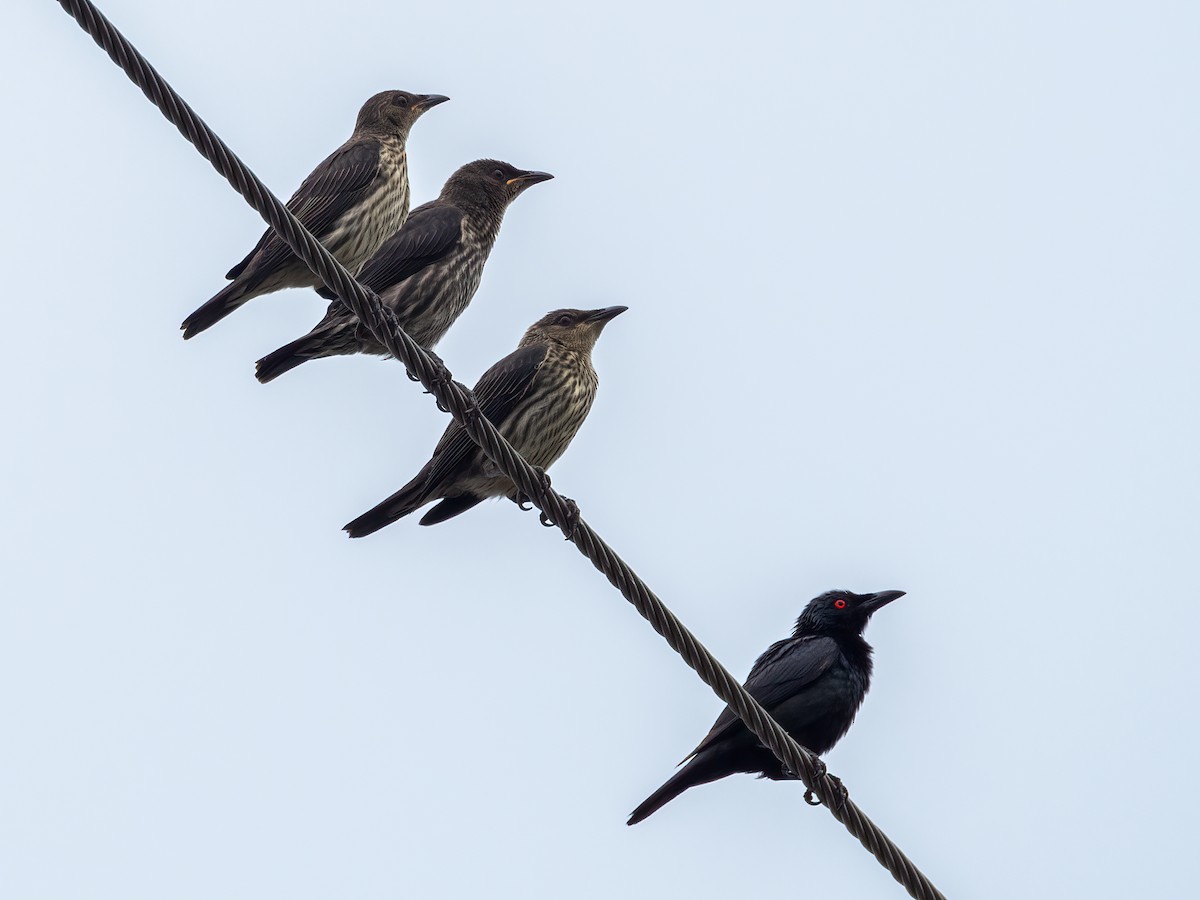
{"type": "Point", "coordinates": [913, 304]}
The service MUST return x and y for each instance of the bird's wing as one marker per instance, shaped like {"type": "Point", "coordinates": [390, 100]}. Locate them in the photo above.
{"type": "Point", "coordinates": [336, 185]}
{"type": "Point", "coordinates": [780, 673]}
{"type": "Point", "coordinates": [430, 233]}
{"type": "Point", "coordinates": [498, 392]}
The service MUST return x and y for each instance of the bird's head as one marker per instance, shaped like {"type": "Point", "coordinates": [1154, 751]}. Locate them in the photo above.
{"type": "Point", "coordinates": [393, 112]}
{"type": "Point", "coordinates": [577, 329]}
{"type": "Point", "coordinates": [842, 612]}
{"type": "Point", "coordinates": [491, 183]}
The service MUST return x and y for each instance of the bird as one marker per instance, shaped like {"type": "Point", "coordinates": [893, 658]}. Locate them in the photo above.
{"type": "Point", "coordinates": [538, 396]}
{"type": "Point", "coordinates": [352, 202]}
{"type": "Point", "coordinates": [427, 272]}
{"type": "Point", "coordinates": [812, 684]}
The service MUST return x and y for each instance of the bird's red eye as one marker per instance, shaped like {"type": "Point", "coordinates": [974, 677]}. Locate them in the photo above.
{"type": "Point", "coordinates": [839, 603]}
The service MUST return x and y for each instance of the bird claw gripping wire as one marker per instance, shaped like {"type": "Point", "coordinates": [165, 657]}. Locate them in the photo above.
{"type": "Point", "coordinates": [471, 413]}
{"type": "Point", "coordinates": [819, 770]}
{"type": "Point", "coordinates": [572, 518]}
{"type": "Point", "coordinates": [524, 501]}
{"type": "Point", "coordinates": [439, 379]}
{"type": "Point", "coordinates": [841, 795]}
{"type": "Point", "coordinates": [437, 363]}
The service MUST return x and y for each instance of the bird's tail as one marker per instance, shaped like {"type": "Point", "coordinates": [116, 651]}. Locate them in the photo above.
{"type": "Point", "coordinates": [409, 498]}
{"type": "Point", "coordinates": [283, 360]}
{"type": "Point", "coordinates": [676, 785]}
{"type": "Point", "coordinates": [450, 507]}
{"type": "Point", "coordinates": [226, 301]}
{"type": "Point", "coordinates": [335, 335]}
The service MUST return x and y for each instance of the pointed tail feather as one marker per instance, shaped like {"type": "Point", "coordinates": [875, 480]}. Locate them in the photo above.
{"type": "Point", "coordinates": [284, 359]}
{"type": "Point", "coordinates": [336, 340]}
{"type": "Point", "coordinates": [449, 508]}
{"type": "Point", "coordinates": [700, 768]}
{"type": "Point", "coordinates": [400, 504]}
{"type": "Point", "coordinates": [226, 301]}
{"type": "Point", "coordinates": [675, 785]}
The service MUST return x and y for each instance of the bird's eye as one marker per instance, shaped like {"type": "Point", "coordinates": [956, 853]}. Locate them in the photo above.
{"type": "Point", "coordinates": [839, 603]}
{"type": "Point", "coordinates": [498, 174]}
{"type": "Point", "coordinates": [400, 100]}
{"type": "Point", "coordinates": [564, 319]}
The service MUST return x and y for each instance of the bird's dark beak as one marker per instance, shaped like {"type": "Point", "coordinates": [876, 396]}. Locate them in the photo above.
{"type": "Point", "coordinates": [525, 179]}
{"type": "Point", "coordinates": [872, 602]}
{"type": "Point", "coordinates": [605, 315]}
{"type": "Point", "coordinates": [428, 101]}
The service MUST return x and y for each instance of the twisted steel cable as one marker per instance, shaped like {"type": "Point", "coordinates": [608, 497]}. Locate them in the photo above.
{"type": "Point", "coordinates": [533, 483]}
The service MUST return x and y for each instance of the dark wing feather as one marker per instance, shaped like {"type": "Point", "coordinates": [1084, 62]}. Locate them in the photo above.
{"type": "Point", "coordinates": [780, 673]}
{"type": "Point", "coordinates": [241, 267]}
{"type": "Point", "coordinates": [498, 392]}
{"type": "Point", "coordinates": [343, 180]}
{"type": "Point", "coordinates": [430, 233]}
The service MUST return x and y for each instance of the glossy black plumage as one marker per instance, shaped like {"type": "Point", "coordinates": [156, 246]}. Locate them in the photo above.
{"type": "Point", "coordinates": [537, 396]}
{"type": "Point", "coordinates": [811, 683]}
{"type": "Point", "coordinates": [427, 272]}
{"type": "Point", "coordinates": [351, 202]}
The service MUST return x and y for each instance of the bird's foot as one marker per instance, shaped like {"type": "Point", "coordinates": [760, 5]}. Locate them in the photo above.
{"type": "Point", "coordinates": [819, 770]}
{"type": "Point", "coordinates": [840, 794]}
{"type": "Point", "coordinates": [471, 413]}
{"type": "Point", "coordinates": [524, 501]}
{"type": "Point", "coordinates": [843, 795]}
{"type": "Point", "coordinates": [440, 372]}
{"type": "Point", "coordinates": [571, 520]}
{"type": "Point", "coordinates": [540, 489]}
{"type": "Point", "coordinates": [439, 378]}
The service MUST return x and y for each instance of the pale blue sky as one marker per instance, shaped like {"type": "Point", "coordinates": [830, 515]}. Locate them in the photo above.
{"type": "Point", "coordinates": [913, 304]}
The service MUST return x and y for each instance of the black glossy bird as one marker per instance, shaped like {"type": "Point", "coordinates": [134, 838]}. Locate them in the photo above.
{"type": "Point", "coordinates": [427, 272]}
{"type": "Point", "coordinates": [538, 396]}
{"type": "Point", "coordinates": [811, 683]}
{"type": "Point", "coordinates": [351, 202]}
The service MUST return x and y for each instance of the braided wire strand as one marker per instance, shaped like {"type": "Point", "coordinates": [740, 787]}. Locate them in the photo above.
{"type": "Point", "coordinates": [530, 481]}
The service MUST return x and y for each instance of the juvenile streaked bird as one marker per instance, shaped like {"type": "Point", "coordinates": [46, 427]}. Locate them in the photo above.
{"type": "Point", "coordinates": [352, 202]}
{"type": "Point", "coordinates": [427, 272]}
{"type": "Point", "coordinates": [537, 397]}
{"type": "Point", "coordinates": [811, 683]}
